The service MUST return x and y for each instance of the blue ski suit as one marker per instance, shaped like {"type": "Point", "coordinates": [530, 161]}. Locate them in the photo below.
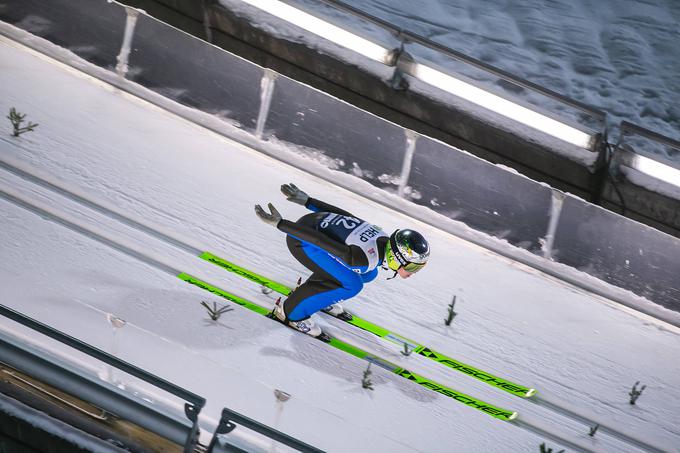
{"type": "Point", "coordinates": [342, 251]}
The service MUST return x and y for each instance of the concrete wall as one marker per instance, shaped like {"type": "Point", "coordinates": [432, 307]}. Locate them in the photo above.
{"type": "Point", "coordinates": [450, 122]}
{"type": "Point", "coordinates": [637, 195]}
{"type": "Point", "coordinates": [447, 122]}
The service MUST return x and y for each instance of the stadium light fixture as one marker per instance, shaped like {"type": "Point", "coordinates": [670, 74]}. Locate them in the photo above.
{"type": "Point", "coordinates": [324, 29]}
{"type": "Point", "coordinates": [425, 73]}
{"type": "Point", "coordinates": [501, 106]}
{"type": "Point", "coordinates": [654, 168]}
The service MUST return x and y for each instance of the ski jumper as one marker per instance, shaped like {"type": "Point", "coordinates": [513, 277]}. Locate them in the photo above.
{"type": "Point", "coordinates": [342, 251]}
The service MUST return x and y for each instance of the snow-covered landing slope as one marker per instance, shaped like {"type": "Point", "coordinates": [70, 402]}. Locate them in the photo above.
{"type": "Point", "coordinates": [583, 353]}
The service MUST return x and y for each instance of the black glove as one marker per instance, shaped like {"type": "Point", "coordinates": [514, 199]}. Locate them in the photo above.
{"type": "Point", "coordinates": [294, 194]}
{"type": "Point", "coordinates": [273, 219]}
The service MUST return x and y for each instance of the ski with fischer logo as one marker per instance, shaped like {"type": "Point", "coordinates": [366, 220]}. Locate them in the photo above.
{"type": "Point", "coordinates": [494, 411]}
{"type": "Point", "coordinates": [503, 384]}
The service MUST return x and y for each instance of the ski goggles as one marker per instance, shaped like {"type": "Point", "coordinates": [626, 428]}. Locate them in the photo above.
{"type": "Point", "coordinates": [413, 267]}
{"type": "Point", "coordinates": [396, 260]}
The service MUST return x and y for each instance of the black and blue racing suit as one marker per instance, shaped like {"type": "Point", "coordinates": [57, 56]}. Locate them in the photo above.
{"type": "Point", "coordinates": [342, 251]}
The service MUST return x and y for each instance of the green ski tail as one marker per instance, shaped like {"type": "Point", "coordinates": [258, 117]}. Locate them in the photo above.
{"type": "Point", "coordinates": [503, 384]}
{"type": "Point", "coordinates": [219, 292]}
{"type": "Point", "coordinates": [496, 412]}
{"type": "Point", "coordinates": [243, 272]}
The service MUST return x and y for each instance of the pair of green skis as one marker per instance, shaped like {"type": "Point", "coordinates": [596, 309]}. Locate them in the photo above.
{"type": "Point", "coordinates": [414, 347]}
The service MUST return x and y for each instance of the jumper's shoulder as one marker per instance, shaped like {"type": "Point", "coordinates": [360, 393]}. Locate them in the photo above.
{"type": "Point", "coordinates": [317, 205]}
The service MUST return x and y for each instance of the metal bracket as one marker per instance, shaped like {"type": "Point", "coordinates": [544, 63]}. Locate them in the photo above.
{"type": "Point", "coordinates": [398, 82]}
{"type": "Point", "coordinates": [225, 426]}
{"type": "Point", "coordinates": [192, 438]}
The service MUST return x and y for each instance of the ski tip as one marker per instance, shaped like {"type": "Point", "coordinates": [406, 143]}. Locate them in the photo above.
{"type": "Point", "coordinates": [512, 416]}
{"type": "Point", "coordinates": [530, 393]}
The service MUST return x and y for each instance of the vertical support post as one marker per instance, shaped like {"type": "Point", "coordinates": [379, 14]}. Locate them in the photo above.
{"type": "Point", "coordinates": [224, 426]}
{"type": "Point", "coordinates": [266, 91]}
{"type": "Point", "coordinates": [205, 4]}
{"type": "Point", "coordinates": [411, 139]}
{"type": "Point", "coordinates": [123, 56]}
{"type": "Point", "coordinates": [555, 212]}
{"type": "Point", "coordinates": [398, 80]}
{"type": "Point", "coordinates": [191, 411]}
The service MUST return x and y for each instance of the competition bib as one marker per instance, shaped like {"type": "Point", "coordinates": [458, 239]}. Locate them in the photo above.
{"type": "Point", "coordinates": [353, 231]}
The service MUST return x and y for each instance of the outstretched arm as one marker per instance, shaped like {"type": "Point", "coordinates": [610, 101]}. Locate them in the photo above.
{"type": "Point", "coordinates": [351, 255]}
{"type": "Point", "coordinates": [294, 194]}
{"type": "Point", "coordinates": [308, 234]}
{"type": "Point", "coordinates": [348, 254]}
{"type": "Point", "coordinates": [304, 233]}
{"type": "Point", "coordinates": [319, 206]}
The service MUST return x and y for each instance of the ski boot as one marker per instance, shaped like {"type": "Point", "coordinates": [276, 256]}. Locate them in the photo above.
{"type": "Point", "coordinates": [338, 311]}
{"type": "Point", "coordinates": [306, 326]}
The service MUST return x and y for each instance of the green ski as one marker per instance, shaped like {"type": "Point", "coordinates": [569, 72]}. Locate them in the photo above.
{"type": "Point", "coordinates": [413, 346]}
{"type": "Point", "coordinates": [496, 412]}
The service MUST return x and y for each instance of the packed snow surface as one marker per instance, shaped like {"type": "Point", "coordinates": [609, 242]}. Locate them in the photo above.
{"type": "Point", "coordinates": [69, 264]}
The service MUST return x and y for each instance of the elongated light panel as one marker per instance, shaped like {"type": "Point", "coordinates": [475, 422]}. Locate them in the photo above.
{"type": "Point", "coordinates": [323, 29]}
{"type": "Point", "coordinates": [656, 169]}
{"type": "Point", "coordinates": [502, 106]}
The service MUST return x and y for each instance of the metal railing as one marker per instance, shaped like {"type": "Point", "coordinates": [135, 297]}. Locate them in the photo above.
{"type": "Point", "coordinates": [230, 419]}
{"type": "Point", "coordinates": [406, 36]}
{"type": "Point", "coordinates": [42, 368]}
{"type": "Point", "coordinates": [194, 403]}
{"type": "Point", "coordinates": [626, 129]}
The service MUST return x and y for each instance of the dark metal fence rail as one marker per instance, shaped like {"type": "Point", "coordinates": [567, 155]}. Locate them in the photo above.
{"type": "Point", "coordinates": [228, 423]}
{"type": "Point", "coordinates": [627, 128]}
{"type": "Point", "coordinates": [105, 357]}
{"type": "Point", "coordinates": [228, 420]}
{"type": "Point", "coordinates": [194, 402]}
